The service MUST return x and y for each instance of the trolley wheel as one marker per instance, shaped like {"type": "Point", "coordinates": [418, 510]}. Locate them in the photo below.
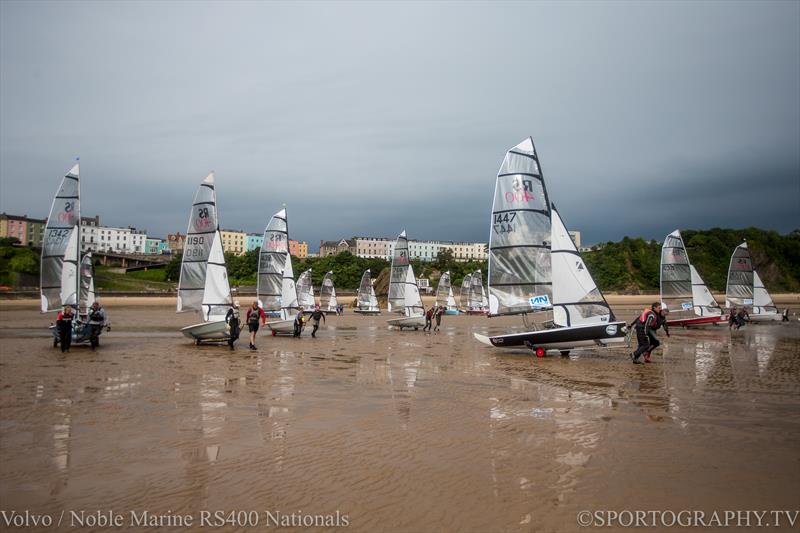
{"type": "Point", "coordinates": [416, 329]}
{"type": "Point", "coordinates": [565, 353]}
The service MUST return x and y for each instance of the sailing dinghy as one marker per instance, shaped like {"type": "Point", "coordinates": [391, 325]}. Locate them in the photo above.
{"type": "Point", "coordinates": [745, 288]}
{"type": "Point", "coordinates": [683, 291]}
{"type": "Point", "coordinates": [327, 294]}
{"type": "Point", "coordinates": [290, 307]}
{"type": "Point", "coordinates": [477, 303]}
{"type": "Point", "coordinates": [534, 266]}
{"type": "Point", "coordinates": [271, 260]}
{"type": "Point", "coordinates": [367, 302]}
{"type": "Point", "coordinates": [466, 283]}
{"type": "Point", "coordinates": [403, 290]}
{"type": "Point", "coordinates": [66, 278]}
{"type": "Point", "coordinates": [444, 295]}
{"type": "Point", "coordinates": [203, 286]}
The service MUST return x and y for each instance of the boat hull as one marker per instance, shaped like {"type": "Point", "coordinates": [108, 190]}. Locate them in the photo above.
{"type": "Point", "coordinates": [451, 312]}
{"type": "Point", "coordinates": [79, 335]}
{"type": "Point", "coordinates": [281, 327]}
{"type": "Point", "coordinates": [207, 331]}
{"type": "Point", "coordinates": [416, 321]}
{"type": "Point", "coordinates": [696, 321]}
{"type": "Point", "coordinates": [562, 339]}
{"type": "Point", "coordinates": [766, 317]}
{"type": "Point", "coordinates": [367, 311]}
{"type": "Point", "coordinates": [476, 312]}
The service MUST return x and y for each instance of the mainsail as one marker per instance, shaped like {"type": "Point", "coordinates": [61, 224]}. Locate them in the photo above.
{"type": "Point", "coordinates": [305, 291]}
{"type": "Point", "coordinates": [289, 304]}
{"type": "Point", "coordinates": [519, 244]}
{"type": "Point", "coordinates": [87, 296]}
{"type": "Point", "coordinates": [576, 298]}
{"type": "Point", "coordinates": [676, 277]}
{"type": "Point", "coordinates": [366, 293]}
{"type": "Point", "coordinates": [444, 292]}
{"type": "Point", "coordinates": [465, 286]}
{"type": "Point", "coordinates": [475, 301]}
{"type": "Point", "coordinates": [271, 262]}
{"type": "Point", "coordinates": [203, 284]}
{"type": "Point", "coordinates": [61, 246]}
{"type": "Point", "coordinates": [397, 280]}
{"type": "Point", "coordinates": [739, 290]}
{"type": "Point", "coordinates": [327, 294]}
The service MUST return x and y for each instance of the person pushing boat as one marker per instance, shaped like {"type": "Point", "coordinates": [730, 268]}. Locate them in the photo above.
{"type": "Point", "coordinates": [97, 319]}
{"type": "Point", "coordinates": [64, 325]}
{"type": "Point", "coordinates": [438, 315]}
{"type": "Point", "coordinates": [232, 319]}
{"type": "Point", "coordinates": [255, 317]}
{"type": "Point", "coordinates": [315, 316]}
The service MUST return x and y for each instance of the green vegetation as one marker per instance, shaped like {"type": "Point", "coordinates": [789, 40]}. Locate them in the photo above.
{"type": "Point", "coordinates": [141, 280]}
{"type": "Point", "coordinates": [18, 265]}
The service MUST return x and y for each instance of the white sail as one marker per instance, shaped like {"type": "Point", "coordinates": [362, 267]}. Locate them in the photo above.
{"type": "Point", "coordinates": [327, 294]}
{"type": "Point", "coordinates": [289, 304]}
{"type": "Point", "coordinates": [305, 291]}
{"type": "Point", "coordinates": [367, 301]}
{"type": "Point", "coordinates": [739, 289]}
{"type": "Point", "coordinates": [475, 302]}
{"type": "Point", "coordinates": [203, 286]}
{"type": "Point", "coordinates": [59, 274]}
{"type": "Point", "coordinates": [576, 299]}
{"type": "Point", "coordinates": [397, 280]}
{"type": "Point", "coordinates": [676, 278]}
{"type": "Point", "coordinates": [444, 292]}
{"type": "Point", "coordinates": [465, 286]}
{"type": "Point", "coordinates": [519, 250]}
{"type": "Point", "coordinates": [704, 303]}
{"type": "Point", "coordinates": [87, 296]}
{"type": "Point", "coordinates": [271, 262]}
{"type": "Point", "coordinates": [412, 301]}
{"type": "Point", "coordinates": [761, 298]}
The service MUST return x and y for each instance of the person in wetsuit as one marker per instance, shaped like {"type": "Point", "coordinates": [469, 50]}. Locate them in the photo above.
{"type": "Point", "coordinates": [438, 316]}
{"type": "Point", "coordinates": [428, 318]}
{"type": "Point", "coordinates": [232, 319]}
{"type": "Point", "coordinates": [255, 317]}
{"type": "Point", "coordinates": [64, 327]}
{"type": "Point", "coordinates": [315, 316]}
{"type": "Point", "coordinates": [97, 319]}
{"type": "Point", "coordinates": [646, 325]}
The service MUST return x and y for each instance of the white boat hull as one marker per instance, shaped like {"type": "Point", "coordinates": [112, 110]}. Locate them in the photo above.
{"type": "Point", "coordinates": [281, 326]}
{"type": "Point", "coordinates": [766, 317]}
{"type": "Point", "coordinates": [416, 321]}
{"type": "Point", "coordinates": [367, 311]}
{"type": "Point", "coordinates": [207, 331]}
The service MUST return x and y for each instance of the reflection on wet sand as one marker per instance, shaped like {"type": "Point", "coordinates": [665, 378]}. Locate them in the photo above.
{"type": "Point", "coordinates": [402, 431]}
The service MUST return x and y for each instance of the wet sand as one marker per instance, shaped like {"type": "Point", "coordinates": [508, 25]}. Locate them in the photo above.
{"type": "Point", "coordinates": [399, 431]}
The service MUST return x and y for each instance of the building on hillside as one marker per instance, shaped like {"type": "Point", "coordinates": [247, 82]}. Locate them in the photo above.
{"type": "Point", "coordinates": [175, 242]}
{"type": "Point", "coordinates": [109, 239]}
{"type": "Point", "coordinates": [468, 251]}
{"type": "Point", "coordinates": [327, 248]}
{"type": "Point", "coordinates": [312, 254]}
{"type": "Point", "coordinates": [298, 249]}
{"type": "Point", "coordinates": [253, 241]}
{"type": "Point", "coordinates": [234, 241]}
{"type": "Point", "coordinates": [29, 231]}
{"type": "Point", "coordinates": [156, 246]}
{"type": "Point", "coordinates": [373, 247]}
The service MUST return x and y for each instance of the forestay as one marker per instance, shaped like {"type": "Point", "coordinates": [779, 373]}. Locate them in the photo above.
{"type": "Point", "coordinates": [576, 298]}
{"type": "Point", "coordinates": [327, 293]}
{"type": "Point", "coordinates": [203, 284]}
{"type": "Point", "coordinates": [676, 278]}
{"type": "Point", "coordinates": [519, 249]}
{"type": "Point", "coordinates": [305, 291]}
{"type": "Point", "coordinates": [739, 289]}
{"type": "Point", "coordinates": [397, 280]}
{"type": "Point", "coordinates": [61, 246]}
{"type": "Point", "coordinates": [272, 261]}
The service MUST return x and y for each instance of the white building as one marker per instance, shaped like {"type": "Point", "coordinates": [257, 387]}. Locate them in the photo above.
{"type": "Point", "coordinates": [113, 240]}
{"type": "Point", "coordinates": [373, 247]}
{"type": "Point", "coordinates": [383, 248]}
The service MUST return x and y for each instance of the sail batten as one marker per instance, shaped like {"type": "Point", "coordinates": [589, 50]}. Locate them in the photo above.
{"type": "Point", "coordinates": [519, 242]}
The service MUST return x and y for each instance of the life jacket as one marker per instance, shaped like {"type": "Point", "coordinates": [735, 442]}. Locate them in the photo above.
{"type": "Point", "coordinates": [253, 315]}
{"type": "Point", "coordinates": [642, 320]}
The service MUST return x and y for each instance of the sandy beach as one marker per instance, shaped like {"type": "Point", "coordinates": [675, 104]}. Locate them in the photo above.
{"type": "Point", "coordinates": [396, 431]}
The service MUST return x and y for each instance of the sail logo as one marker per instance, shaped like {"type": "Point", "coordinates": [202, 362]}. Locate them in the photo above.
{"type": "Point", "coordinates": [686, 306]}
{"type": "Point", "coordinates": [522, 190]}
{"type": "Point", "coordinates": [579, 266]}
{"type": "Point", "coordinates": [539, 301]}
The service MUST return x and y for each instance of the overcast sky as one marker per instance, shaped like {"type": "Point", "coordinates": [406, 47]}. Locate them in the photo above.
{"type": "Point", "coordinates": [367, 118]}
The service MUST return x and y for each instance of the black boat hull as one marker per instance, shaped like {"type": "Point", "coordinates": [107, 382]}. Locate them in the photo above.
{"type": "Point", "coordinates": [562, 339]}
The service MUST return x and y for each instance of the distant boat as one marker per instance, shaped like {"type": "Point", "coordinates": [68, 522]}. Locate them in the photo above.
{"type": "Point", "coordinates": [367, 302]}
{"type": "Point", "coordinates": [466, 284]}
{"type": "Point", "coordinates": [327, 294]}
{"type": "Point", "coordinates": [271, 261]}
{"type": "Point", "coordinates": [203, 286]}
{"type": "Point", "coordinates": [477, 303]}
{"type": "Point", "coordinates": [290, 307]}
{"type": "Point", "coordinates": [65, 278]}
{"type": "Point", "coordinates": [683, 291]}
{"type": "Point", "coordinates": [305, 292]}
{"type": "Point", "coordinates": [403, 290]}
{"type": "Point", "coordinates": [745, 288]}
{"type": "Point", "coordinates": [534, 266]}
{"type": "Point", "coordinates": [444, 295]}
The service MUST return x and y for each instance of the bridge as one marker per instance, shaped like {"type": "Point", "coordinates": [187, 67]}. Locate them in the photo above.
{"type": "Point", "coordinates": [132, 262]}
